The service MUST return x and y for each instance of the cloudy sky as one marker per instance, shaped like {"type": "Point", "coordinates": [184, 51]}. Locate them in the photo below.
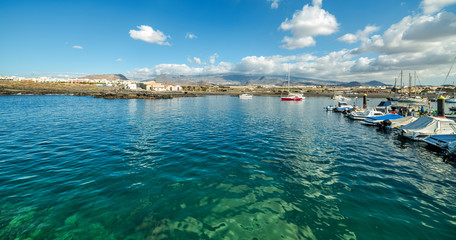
{"type": "Point", "coordinates": [330, 40]}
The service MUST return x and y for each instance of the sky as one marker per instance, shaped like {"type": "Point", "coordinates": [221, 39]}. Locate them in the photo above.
{"type": "Point", "coordinates": [351, 40]}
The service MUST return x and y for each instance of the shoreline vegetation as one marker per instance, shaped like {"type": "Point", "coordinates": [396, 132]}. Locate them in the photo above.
{"type": "Point", "coordinates": [106, 92]}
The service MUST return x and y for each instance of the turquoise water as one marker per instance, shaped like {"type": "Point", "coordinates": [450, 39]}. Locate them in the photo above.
{"type": "Point", "coordinates": [213, 168]}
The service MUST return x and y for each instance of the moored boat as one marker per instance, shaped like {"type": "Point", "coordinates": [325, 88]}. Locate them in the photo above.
{"type": "Point", "coordinates": [245, 96]}
{"type": "Point", "coordinates": [374, 121]}
{"type": "Point", "coordinates": [396, 123]}
{"type": "Point", "coordinates": [427, 126]}
{"type": "Point", "coordinates": [365, 114]}
{"type": "Point", "coordinates": [441, 140]}
{"type": "Point", "coordinates": [293, 97]}
{"type": "Point", "coordinates": [343, 106]}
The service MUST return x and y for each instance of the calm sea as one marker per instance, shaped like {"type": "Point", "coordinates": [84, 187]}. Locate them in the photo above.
{"type": "Point", "coordinates": [213, 167]}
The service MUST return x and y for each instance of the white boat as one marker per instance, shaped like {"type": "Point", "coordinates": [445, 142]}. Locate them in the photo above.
{"type": "Point", "coordinates": [396, 123]}
{"type": "Point", "coordinates": [427, 126]}
{"type": "Point", "coordinates": [365, 114]}
{"type": "Point", "coordinates": [330, 108]}
{"type": "Point", "coordinates": [340, 98]}
{"type": "Point", "coordinates": [410, 98]}
{"type": "Point", "coordinates": [384, 106]}
{"type": "Point", "coordinates": [375, 121]}
{"type": "Point", "coordinates": [245, 96]}
{"type": "Point", "coordinates": [342, 106]}
{"type": "Point", "coordinates": [415, 99]}
{"type": "Point", "coordinates": [450, 100]}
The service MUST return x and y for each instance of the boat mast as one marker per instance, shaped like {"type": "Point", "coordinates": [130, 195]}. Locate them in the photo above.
{"type": "Point", "coordinates": [410, 85]}
{"type": "Point", "coordinates": [288, 78]}
{"type": "Point", "coordinates": [415, 84]}
{"type": "Point", "coordinates": [401, 84]}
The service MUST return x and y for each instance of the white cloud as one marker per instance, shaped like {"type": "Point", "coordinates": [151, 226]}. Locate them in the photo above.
{"type": "Point", "coordinates": [148, 34]}
{"type": "Point", "coordinates": [307, 23]}
{"type": "Point", "coordinates": [190, 36]}
{"type": "Point", "coordinates": [422, 43]}
{"type": "Point", "coordinates": [428, 28]}
{"type": "Point", "coordinates": [119, 60]}
{"type": "Point", "coordinates": [78, 47]}
{"type": "Point", "coordinates": [360, 35]}
{"type": "Point", "coordinates": [415, 34]}
{"type": "Point", "coordinates": [195, 60]}
{"type": "Point", "coordinates": [433, 6]}
{"type": "Point", "coordinates": [274, 3]}
{"type": "Point", "coordinates": [213, 58]}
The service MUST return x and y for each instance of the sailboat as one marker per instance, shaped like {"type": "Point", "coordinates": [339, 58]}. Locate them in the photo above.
{"type": "Point", "coordinates": [410, 98]}
{"type": "Point", "coordinates": [292, 96]}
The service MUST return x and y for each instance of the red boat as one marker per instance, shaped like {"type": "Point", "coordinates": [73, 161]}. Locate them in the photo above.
{"type": "Point", "coordinates": [293, 97]}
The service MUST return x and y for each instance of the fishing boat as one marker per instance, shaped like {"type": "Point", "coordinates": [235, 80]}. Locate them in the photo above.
{"type": "Point", "coordinates": [427, 126]}
{"type": "Point", "coordinates": [440, 141]}
{"type": "Point", "coordinates": [245, 96]}
{"type": "Point", "coordinates": [292, 96]}
{"type": "Point", "coordinates": [375, 121]}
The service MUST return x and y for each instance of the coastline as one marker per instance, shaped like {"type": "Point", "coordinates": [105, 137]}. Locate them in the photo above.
{"type": "Point", "coordinates": [32, 88]}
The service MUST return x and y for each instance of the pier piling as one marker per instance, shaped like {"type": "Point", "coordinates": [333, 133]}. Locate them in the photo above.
{"type": "Point", "coordinates": [441, 106]}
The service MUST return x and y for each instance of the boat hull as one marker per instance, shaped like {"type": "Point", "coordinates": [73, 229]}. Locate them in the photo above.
{"type": "Point", "coordinates": [291, 99]}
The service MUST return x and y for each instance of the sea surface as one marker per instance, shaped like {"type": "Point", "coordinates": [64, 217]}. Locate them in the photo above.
{"type": "Point", "coordinates": [213, 167]}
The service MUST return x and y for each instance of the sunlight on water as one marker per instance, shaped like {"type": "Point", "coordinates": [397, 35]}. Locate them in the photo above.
{"type": "Point", "coordinates": [212, 168]}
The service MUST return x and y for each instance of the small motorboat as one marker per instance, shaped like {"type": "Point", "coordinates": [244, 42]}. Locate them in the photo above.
{"type": "Point", "coordinates": [375, 121]}
{"type": "Point", "coordinates": [364, 114]}
{"type": "Point", "coordinates": [427, 126]}
{"type": "Point", "coordinates": [245, 96]}
{"type": "Point", "coordinates": [384, 106]}
{"type": "Point", "coordinates": [343, 107]}
{"type": "Point", "coordinates": [396, 123]}
{"type": "Point", "coordinates": [330, 108]}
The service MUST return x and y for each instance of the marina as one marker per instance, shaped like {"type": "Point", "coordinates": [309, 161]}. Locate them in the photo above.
{"type": "Point", "coordinates": [214, 166]}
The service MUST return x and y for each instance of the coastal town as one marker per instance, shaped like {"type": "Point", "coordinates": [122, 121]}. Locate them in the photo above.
{"type": "Point", "coordinates": [45, 85]}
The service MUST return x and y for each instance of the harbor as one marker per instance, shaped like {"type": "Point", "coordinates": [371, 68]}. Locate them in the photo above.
{"type": "Point", "coordinates": [211, 167]}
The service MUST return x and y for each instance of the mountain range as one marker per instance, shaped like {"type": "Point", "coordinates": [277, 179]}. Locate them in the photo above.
{"type": "Point", "coordinates": [238, 80]}
{"type": "Point", "coordinates": [245, 80]}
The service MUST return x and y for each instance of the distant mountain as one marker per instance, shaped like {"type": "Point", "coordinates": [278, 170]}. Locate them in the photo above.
{"type": "Point", "coordinates": [245, 80]}
{"type": "Point", "coordinates": [110, 77]}
{"type": "Point", "coordinates": [366, 84]}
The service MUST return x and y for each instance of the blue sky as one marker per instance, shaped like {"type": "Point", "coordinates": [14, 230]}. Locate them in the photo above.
{"type": "Point", "coordinates": [330, 39]}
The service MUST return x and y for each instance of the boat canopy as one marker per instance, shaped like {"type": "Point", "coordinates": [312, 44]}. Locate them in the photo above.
{"type": "Point", "coordinates": [386, 117]}
{"type": "Point", "coordinates": [426, 126]}
{"type": "Point", "coordinates": [420, 123]}
{"type": "Point", "coordinates": [384, 104]}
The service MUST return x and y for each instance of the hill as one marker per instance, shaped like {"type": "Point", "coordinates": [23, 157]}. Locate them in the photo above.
{"type": "Point", "coordinates": [110, 77]}
{"type": "Point", "coordinates": [245, 80]}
